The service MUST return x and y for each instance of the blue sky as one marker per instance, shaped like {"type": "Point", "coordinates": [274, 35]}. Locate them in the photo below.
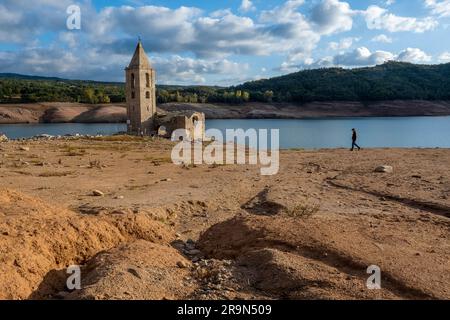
{"type": "Point", "coordinates": [219, 42]}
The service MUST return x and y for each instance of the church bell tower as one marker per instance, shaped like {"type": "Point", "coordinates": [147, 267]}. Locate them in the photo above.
{"type": "Point", "coordinates": [140, 93]}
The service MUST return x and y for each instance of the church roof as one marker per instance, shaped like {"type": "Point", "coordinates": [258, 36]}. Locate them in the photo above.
{"type": "Point", "coordinates": [139, 59]}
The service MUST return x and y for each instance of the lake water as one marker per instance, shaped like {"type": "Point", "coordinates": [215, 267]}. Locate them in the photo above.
{"type": "Point", "coordinates": [379, 132]}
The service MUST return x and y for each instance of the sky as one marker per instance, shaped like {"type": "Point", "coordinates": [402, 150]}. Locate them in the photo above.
{"type": "Point", "coordinates": [218, 42]}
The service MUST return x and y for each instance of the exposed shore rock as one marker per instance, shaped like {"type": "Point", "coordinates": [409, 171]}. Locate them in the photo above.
{"type": "Point", "coordinates": [63, 112]}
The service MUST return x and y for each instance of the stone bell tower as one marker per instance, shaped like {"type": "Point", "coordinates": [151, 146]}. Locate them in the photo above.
{"type": "Point", "coordinates": [140, 93]}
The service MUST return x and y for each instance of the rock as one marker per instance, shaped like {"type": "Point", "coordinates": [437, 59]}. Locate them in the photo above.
{"type": "Point", "coordinates": [194, 252]}
{"type": "Point", "coordinates": [386, 169]}
{"type": "Point", "coordinates": [202, 273]}
{"type": "Point", "coordinates": [166, 180]}
{"type": "Point", "coordinates": [182, 264]}
{"type": "Point", "coordinates": [134, 272]}
{"type": "Point", "coordinates": [61, 295]}
{"type": "Point", "coordinates": [98, 193]}
{"type": "Point", "coordinates": [24, 148]}
{"type": "Point", "coordinates": [44, 136]}
{"type": "Point", "coordinates": [178, 244]}
{"type": "Point", "coordinates": [119, 211]}
{"type": "Point", "coordinates": [203, 263]}
{"type": "Point", "coordinates": [3, 138]}
{"type": "Point", "coordinates": [119, 197]}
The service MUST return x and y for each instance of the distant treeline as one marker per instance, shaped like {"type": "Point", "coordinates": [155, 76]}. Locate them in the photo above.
{"type": "Point", "coordinates": [40, 90]}
{"type": "Point", "coordinates": [31, 90]}
{"type": "Point", "coordinates": [390, 81]}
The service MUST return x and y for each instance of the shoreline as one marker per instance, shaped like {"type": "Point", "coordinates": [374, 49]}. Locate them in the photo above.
{"type": "Point", "coordinates": [120, 136]}
{"type": "Point", "coordinates": [64, 112]}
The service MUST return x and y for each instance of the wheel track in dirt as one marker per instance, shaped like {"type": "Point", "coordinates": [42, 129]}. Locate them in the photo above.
{"type": "Point", "coordinates": [431, 207]}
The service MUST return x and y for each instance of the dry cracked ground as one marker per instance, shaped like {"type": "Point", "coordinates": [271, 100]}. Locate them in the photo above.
{"type": "Point", "coordinates": [153, 230]}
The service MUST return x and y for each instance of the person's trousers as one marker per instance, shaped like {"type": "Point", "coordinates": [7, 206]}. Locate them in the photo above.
{"type": "Point", "coordinates": [354, 145]}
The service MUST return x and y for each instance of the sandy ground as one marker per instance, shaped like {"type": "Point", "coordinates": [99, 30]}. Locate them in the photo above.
{"type": "Point", "coordinates": [62, 112]}
{"type": "Point", "coordinates": [159, 231]}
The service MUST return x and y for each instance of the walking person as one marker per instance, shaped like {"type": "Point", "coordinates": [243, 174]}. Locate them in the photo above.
{"type": "Point", "coordinates": [354, 138]}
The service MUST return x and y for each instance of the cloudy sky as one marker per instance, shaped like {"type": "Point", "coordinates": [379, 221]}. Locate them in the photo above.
{"type": "Point", "coordinates": [219, 42]}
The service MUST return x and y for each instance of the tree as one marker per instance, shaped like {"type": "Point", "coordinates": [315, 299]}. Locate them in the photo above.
{"type": "Point", "coordinates": [89, 96]}
{"type": "Point", "coordinates": [268, 96]}
{"type": "Point", "coordinates": [178, 97]}
{"type": "Point", "coordinates": [245, 96]}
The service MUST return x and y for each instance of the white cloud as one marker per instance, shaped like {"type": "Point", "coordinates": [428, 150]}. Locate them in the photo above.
{"type": "Point", "coordinates": [188, 44]}
{"type": "Point", "coordinates": [220, 34]}
{"type": "Point", "coordinates": [185, 30]}
{"type": "Point", "coordinates": [413, 55]}
{"type": "Point", "coordinates": [19, 22]}
{"type": "Point", "coordinates": [332, 16]}
{"type": "Point", "coordinates": [343, 44]}
{"type": "Point", "coordinates": [389, 2]}
{"type": "Point", "coordinates": [444, 57]}
{"type": "Point", "coordinates": [290, 30]}
{"type": "Point", "coordinates": [440, 8]}
{"type": "Point", "coordinates": [246, 6]}
{"type": "Point", "coordinates": [65, 63]}
{"type": "Point", "coordinates": [380, 19]}
{"type": "Point", "coordinates": [382, 38]}
{"type": "Point", "coordinates": [187, 70]}
{"type": "Point", "coordinates": [362, 57]}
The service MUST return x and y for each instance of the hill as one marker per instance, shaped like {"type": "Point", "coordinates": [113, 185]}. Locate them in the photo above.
{"type": "Point", "coordinates": [389, 81]}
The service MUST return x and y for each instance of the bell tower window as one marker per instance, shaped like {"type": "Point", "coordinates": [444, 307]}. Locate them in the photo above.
{"type": "Point", "coordinates": [147, 95]}
{"type": "Point", "coordinates": [132, 95]}
{"type": "Point", "coordinates": [133, 81]}
{"type": "Point", "coordinates": [147, 80]}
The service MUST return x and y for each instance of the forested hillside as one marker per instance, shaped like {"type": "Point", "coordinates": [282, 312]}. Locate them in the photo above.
{"type": "Point", "coordinates": [390, 81]}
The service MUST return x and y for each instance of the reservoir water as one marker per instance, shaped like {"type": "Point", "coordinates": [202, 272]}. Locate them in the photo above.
{"type": "Point", "coordinates": [376, 132]}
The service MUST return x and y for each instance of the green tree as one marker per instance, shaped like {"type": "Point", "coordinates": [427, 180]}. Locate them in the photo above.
{"type": "Point", "coordinates": [245, 96]}
{"type": "Point", "coordinates": [268, 96]}
{"type": "Point", "coordinates": [89, 96]}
